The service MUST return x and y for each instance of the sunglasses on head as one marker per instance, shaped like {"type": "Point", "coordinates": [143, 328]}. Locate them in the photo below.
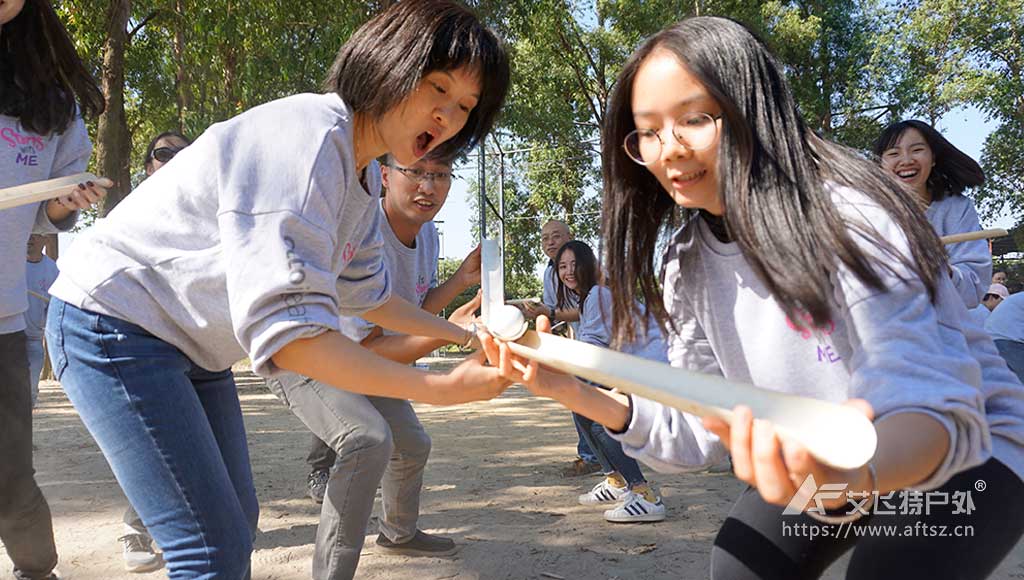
{"type": "Point", "coordinates": [164, 154]}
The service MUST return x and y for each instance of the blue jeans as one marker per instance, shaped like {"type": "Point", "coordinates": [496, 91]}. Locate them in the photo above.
{"type": "Point", "coordinates": [172, 433]}
{"type": "Point", "coordinates": [582, 447]}
{"type": "Point", "coordinates": [609, 451]}
{"type": "Point", "coordinates": [1013, 353]}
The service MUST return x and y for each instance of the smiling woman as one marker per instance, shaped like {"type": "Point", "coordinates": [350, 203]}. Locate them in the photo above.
{"type": "Point", "coordinates": [937, 173]}
{"type": "Point", "coordinates": [799, 266]}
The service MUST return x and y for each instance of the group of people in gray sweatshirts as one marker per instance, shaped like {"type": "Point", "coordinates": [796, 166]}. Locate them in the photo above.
{"type": "Point", "coordinates": [790, 262]}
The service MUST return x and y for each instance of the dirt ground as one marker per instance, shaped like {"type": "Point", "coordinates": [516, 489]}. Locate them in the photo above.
{"type": "Point", "coordinates": [492, 484]}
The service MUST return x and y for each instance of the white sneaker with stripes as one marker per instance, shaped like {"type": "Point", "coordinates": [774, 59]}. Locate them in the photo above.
{"type": "Point", "coordinates": [604, 492]}
{"type": "Point", "coordinates": [636, 508]}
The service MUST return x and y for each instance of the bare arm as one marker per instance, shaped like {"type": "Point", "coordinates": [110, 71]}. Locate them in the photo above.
{"type": "Point", "coordinates": [408, 349]}
{"type": "Point", "coordinates": [467, 275]}
{"type": "Point", "coordinates": [400, 315]}
{"type": "Point", "coordinates": [332, 359]}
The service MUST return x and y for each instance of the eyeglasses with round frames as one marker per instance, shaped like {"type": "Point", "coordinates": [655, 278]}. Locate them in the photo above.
{"type": "Point", "coordinates": [694, 130]}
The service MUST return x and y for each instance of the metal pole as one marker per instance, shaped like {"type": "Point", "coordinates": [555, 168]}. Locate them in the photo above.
{"type": "Point", "coordinates": [483, 191]}
{"type": "Point", "coordinates": [501, 204]}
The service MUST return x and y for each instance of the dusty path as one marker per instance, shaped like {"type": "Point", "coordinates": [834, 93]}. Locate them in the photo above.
{"type": "Point", "coordinates": [492, 484]}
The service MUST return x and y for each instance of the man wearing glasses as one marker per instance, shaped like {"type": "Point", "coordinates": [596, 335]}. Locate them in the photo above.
{"type": "Point", "coordinates": [361, 442]}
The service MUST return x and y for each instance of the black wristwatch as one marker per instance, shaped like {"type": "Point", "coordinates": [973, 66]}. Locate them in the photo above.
{"type": "Point", "coordinates": [552, 313]}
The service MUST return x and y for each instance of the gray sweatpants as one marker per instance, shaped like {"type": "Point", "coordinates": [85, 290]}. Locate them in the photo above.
{"type": "Point", "coordinates": [378, 441]}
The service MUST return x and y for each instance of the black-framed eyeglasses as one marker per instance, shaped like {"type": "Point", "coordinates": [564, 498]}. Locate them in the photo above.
{"type": "Point", "coordinates": [694, 130]}
{"type": "Point", "coordinates": [420, 176]}
{"type": "Point", "coordinates": [164, 154]}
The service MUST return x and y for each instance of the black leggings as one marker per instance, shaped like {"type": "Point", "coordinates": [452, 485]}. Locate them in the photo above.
{"type": "Point", "coordinates": [757, 541]}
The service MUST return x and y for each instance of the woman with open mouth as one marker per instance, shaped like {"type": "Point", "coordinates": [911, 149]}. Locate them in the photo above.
{"type": "Point", "coordinates": [930, 167]}
{"type": "Point", "coordinates": [252, 243]}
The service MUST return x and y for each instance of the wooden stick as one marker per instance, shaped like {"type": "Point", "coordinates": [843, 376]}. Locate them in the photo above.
{"type": "Point", "coordinates": [46, 190]}
{"type": "Point", "coordinates": [971, 236]}
{"type": "Point", "coordinates": [42, 297]}
{"type": "Point", "coordinates": [835, 434]}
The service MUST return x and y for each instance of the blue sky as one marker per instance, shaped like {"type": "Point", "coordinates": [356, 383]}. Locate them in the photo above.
{"type": "Point", "coordinates": [965, 127]}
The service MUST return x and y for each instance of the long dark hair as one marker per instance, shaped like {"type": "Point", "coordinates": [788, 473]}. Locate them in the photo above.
{"type": "Point", "coordinates": [772, 172]}
{"type": "Point", "coordinates": [585, 272]}
{"type": "Point", "coordinates": [41, 76]}
{"type": "Point", "coordinates": [384, 61]}
{"type": "Point", "coordinates": [954, 170]}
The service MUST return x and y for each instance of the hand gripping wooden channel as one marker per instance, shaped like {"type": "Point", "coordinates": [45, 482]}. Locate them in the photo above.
{"type": "Point", "coordinates": [836, 435]}
{"type": "Point", "coordinates": [44, 190]}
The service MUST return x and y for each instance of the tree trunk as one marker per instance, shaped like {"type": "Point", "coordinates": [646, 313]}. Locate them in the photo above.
{"type": "Point", "coordinates": [114, 146]}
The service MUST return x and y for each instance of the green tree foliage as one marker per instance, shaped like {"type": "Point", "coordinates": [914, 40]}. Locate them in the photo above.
{"type": "Point", "coordinates": [854, 66]}
{"type": "Point", "coordinates": [187, 64]}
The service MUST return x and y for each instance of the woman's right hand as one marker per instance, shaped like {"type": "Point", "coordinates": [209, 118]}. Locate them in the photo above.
{"type": "Point", "coordinates": [539, 380]}
{"type": "Point", "coordinates": [473, 380]}
{"type": "Point", "coordinates": [465, 314]}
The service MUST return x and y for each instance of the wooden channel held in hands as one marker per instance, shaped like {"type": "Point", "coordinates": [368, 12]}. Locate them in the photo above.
{"type": "Point", "coordinates": [837, 435]}
{"type": "Point", "coordinates": [971, 236]}
{"type": "Point", "coordinates": [45, 190]}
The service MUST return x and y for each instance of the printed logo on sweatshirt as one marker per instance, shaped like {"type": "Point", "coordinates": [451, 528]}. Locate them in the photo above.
{"type": "Point", "coordinates": [27, 147]}
{"type": "Point", "coordinates": [348, 253]}
{"type": "Point", "coordinates": [807, 330]}
{"type": "Point", "coordinates": [15, 139]}
{"type": "Point", "coordinates": [297, 278]}
{"type": "Point", "coordinates": [421, 287]}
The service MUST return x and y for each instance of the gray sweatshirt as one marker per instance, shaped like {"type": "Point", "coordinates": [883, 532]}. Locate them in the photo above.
{"type": "Point", "coordinates": [596, 324]}
{"type": "Point", "coordinates": [971, 261]}
{"type": "Point", "coordinates": [24, 158]}
{"type": "Point", "coordinates": [258, 234]}
{"type": "Point", "coordinates": [1007, 320]}
{"type": "Point", "coordinates": [896, 349]}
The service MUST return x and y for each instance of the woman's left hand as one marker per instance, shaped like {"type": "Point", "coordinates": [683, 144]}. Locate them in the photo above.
{"type": "Point", "coordinates": [84, 196]}
{"type": "Point", "coordinates": [777, 467]}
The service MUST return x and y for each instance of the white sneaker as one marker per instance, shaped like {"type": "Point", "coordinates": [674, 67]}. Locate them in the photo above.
{"type": "Point", "coordinates": [604, 492]}
{"type": "Point", "coordinates": [636, 508]}
{"type": "Point", "coordinates": [139, 556]}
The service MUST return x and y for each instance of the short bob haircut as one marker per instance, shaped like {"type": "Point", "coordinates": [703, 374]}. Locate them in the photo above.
{"type": "Point", "coordinates": [385, 60]}
{"type": "Point", "coordinates": [954, 170]}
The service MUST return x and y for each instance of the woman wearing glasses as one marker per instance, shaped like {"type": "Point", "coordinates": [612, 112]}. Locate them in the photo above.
{"type": "Point", "coordinates": [801, 267]}
{"type": "Point", "coordinates": [163, 148]}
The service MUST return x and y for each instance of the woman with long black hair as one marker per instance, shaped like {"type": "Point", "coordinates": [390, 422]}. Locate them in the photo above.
{"type": "Point", "coordinates": [798, 266]}
{"type": "Point", "coordinates": [937, 173]}
{"type": "Point", "coordinates": [44, 90]}
{"type": "Point", "coordinates": [624, 489]}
